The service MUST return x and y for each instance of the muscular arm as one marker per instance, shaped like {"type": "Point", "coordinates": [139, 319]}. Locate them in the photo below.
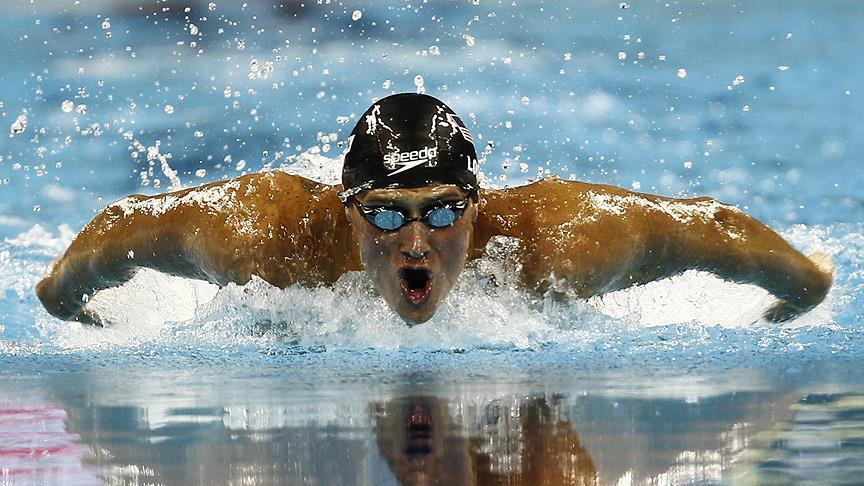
{"type": "Point", "coordinates": [267, 224]}
{"type": "Point", "coordinates": [601, 238]}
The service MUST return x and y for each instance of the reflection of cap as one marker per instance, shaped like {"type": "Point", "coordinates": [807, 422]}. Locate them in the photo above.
{"type": "Point", "coordinates": [409, 140]}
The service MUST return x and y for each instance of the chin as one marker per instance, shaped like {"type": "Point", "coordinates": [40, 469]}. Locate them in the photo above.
{"type": "Point", "coordinates": [415, 317]}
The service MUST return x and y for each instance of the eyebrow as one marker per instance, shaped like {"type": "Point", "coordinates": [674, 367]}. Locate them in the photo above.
{"type": "Point", "coordinates": [446, 197]}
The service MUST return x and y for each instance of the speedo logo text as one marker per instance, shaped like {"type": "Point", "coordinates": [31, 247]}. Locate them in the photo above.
{"type": "Point", "coordinates": [409, 160]}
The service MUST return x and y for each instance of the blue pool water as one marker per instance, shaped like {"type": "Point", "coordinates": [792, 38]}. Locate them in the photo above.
{"type": "Point", "coordinates": [679, 381]}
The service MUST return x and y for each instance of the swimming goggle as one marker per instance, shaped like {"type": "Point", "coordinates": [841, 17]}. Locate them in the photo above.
{"type": "Point", "coordinates": [391, 218]}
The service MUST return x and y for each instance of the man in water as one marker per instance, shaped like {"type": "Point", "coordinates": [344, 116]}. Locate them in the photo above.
{"type": "Point", "coordinates": [411, 214]}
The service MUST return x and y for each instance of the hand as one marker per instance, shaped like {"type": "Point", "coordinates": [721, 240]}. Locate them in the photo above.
{"type": "Point", "coordinates": [782, 311]}
{"type": "Point", "coordinates": [88, 316]}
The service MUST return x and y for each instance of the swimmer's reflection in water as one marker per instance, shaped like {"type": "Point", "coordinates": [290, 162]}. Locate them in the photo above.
{"type": "Point", "coordinates": [410, 213]}
{"type": "Point", "coordinates": [526, 444]}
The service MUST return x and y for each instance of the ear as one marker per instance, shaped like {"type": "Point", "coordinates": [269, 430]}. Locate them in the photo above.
{"type": "Point", "coordinates": [474, 210]}
{"type": "Point", "coordinates": [348, 214]}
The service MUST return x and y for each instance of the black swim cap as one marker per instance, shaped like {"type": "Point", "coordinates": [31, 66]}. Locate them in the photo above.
{"type": "Point", "coordinates": [409, 140]}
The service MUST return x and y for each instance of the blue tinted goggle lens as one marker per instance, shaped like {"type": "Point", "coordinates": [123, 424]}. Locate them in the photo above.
{"type": "Point", "coordinates": [389, 219]}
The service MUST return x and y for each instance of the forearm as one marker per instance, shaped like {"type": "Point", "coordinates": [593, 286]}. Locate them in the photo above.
{"type": "Point", "coordinates": [91, 263]}
{"type": "Point", "coordinates": [737, 247]}
{"type": "Point", "coordinates": [107, 253]}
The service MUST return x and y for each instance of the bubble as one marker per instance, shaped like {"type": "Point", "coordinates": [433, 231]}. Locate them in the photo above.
{"type": "Point", "coordinates": [241, 164]}
{"type": "Point", "coordinates": [19, 125]}
{"type": "Point", "coordinates": [193, 29]}
{"type": "Point", "coordinates": [523, 167]}
{"type": "Point", "coordinates": [106, 24]}
{"type": "Point", "coordinates": [434, 50]}
{"type": "Point", "coordinates": [418, 82]}
{"type": "Point", "coordinates": [738, 80]}
{"type": "Point", "coordinates": [783, 68]}
{"type": "Point", "coordinates": [198, 134]}
{"type": "Point", "coordinates": [37, 208]}
{"type": "Point", "coordinates": [746, 108]}
{"type": "Point", "coordinates": [356, 15]}
{"type": "Point", "coordinates": [525, 100]}
{"type": "Point", "coordinates": [211, 6]}
{"type": "Point", "coordinates": [67, 106]}
{"type": "Point", "coordinates": [623, 5]}
{"type": "Point", "coordinates": [682, 73]}
{"type": "Point", "coordinates": [469, 40]}
{"type": "Point", "coordinates": [81, 109]}
{"type": "Point", "coordinates": [622, 55]}
{"type": "Point", "coordinates": [568, 56]}
{"type": "Point", "coordinates": [169, 109]}
{"type": "Point", "coordinates": [386, 84]}
{"type": "Point", "coordinates": [200, 173]}
{"type": "Point", "coordinates": [688, 164]}
{"type": "Point", "coordinates": [341, 120]}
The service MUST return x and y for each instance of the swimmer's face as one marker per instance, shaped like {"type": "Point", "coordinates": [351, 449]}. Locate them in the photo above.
{"type": "Point", "coordinates": [415, 266]}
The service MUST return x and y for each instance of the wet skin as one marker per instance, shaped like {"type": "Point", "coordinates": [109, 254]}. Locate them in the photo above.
{"type": "Point", "coordinates": [290, 230]}
{"type": "Point", "coordinates": [436, 254]}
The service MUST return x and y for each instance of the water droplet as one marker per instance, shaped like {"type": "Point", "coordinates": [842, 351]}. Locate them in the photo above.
{"type": "Point", "coordinates": [622, 55]}
{"type": "Point", "coordinates": [523, 167]}
{"type": "Point", "coordinates": [106, 24]}
{"type": "Point", "coordinates": [783, 68]}
{"type": "Point", "coordinates": [169, 109]}
{"type": "Point", "coordinates": [37, 208]}
{"type": "Point", "coordinates": [682, 73]}
{"type": "Point", "coordinates": [211, 6]}
{"type": "Point", "coordinates": [241, 164]}
{"type": "Point", "coordinates": [67, 106]}
{"type": "Point", "coordinates": [81, 109]}
{"type": "Point", "coordinates": [386, 84]}
{"type": "Point", "coordinates": [789, 35]}
{"type": "Point", "coordinates": [356, 15]}
{"type": "Point", "coordinates": [623, 5]}
{"type": "Point", "coordinates": [568, 56]}
{"type": "Point", "coordinates": [469, 40]}
{"type": "Point", "coordinates": [198, 134]}
{"type": "Point", "coordinates": [433, 50]}
{"type": "Point", "coordinates": [341, 120]}
{"type": "Point", "coordinates": [19, 125]}
{"type": "Point", "coordinates": [746, 108]}
{"type": "Point", "coordinates": [738, 80]}
{"type": "Point", "coordinates": [418, 83]}
{"type": "Point", "coordinates": [193, 29]}
{"type": "Point", "coordinates": [200, 173]}
{"type": "Point", "coordinates": [525, 100]}
{"type": "Point", "coordinates": [130, 254]}
{"type": "Point", "coordinates": [688, 164]}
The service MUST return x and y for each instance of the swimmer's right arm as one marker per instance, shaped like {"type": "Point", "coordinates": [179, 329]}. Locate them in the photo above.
{"type": "Point", "coordinates": [108, 252]}
{"type": "Point", "coordinates": [283, 228]}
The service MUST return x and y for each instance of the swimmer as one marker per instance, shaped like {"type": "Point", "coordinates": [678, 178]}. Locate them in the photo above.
{"type": "Point", "coordinates": [410, 213]}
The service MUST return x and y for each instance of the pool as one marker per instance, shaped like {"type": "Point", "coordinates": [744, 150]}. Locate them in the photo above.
{"type": "Point", "coordinates": [675, 382]}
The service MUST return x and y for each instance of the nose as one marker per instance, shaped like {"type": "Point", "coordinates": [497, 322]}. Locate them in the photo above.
{"type": "Point", "coordinates": [415, 241]}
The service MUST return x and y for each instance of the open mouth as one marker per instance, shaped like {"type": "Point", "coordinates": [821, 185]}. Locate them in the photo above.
{"type": "Point", "coordinates": [416, 285]}
{"type": "Point", "coordinates": [419, 433]}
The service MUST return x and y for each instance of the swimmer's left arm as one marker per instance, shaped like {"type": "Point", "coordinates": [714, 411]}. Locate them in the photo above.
{"type": "Point", "coordinates": [597, 239]}
{"type": "Point", "coordinates": [735, 246]}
